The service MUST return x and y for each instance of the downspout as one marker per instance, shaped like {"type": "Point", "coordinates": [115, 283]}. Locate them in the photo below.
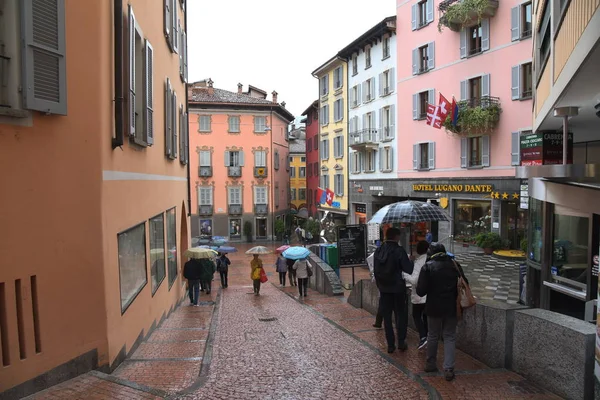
{"type": "Point", "coordinates": [187, 110]}
{"type": "Point", "coordinates": [117, 141]}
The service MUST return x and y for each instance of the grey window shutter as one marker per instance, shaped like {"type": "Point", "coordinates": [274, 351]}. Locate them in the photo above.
{"type": "Point", "coordinates": [381, 132]}
{"type": "Point", "coordinates": [174, 31]}
{"type": "Point", "coordinates": [351, 161]}
{"type": "Point", "coordinates": [359, 94]}
{"type": "Point", "coordinates": [364, 122]}
{"type": "Point", "coordinates": [241, 158]}
{"type": "Point", "coordinates": [415, 156]}
{"type": "Point", "coordinates": [174, 123]}
{"type": "Point", "coordinates": [431, 55]}
{"type": "Point", "coordinates": [44, 56]}
{"type": "Point", "coordinates": [341, 184]}
{"type": "Point", "coordinates": [341, 109]}
{"type": "Point", "coordinates": [391, 159]}
{"type": "Point", "coordinates": [392, 75]}
{"type": "Point", "coordinates": [429, 9]}
{"type": "Point", "coordinates": [341, 77]}
{"type": "Point", "coordinates": [515, 149]}
{"type": "Point", "coordinates": [485, 85]}
{"type": "Point", "coordinates": [485, 34]}
{"type": "Point", "coordinates": [131, 56]}
{"type": "Point", "coordinates": [463, 43]}
{"type": "Point", "coordinates": [392, 121]}
{"type": "Point", "coordinates": [463, 90]}
{"type": "Point", "coordinates": [341, 146]}
{"type": "Point", "coordinates": [186, 142]}
{"type": "Point", "coordinates": [373, 119]}
{"type": "Point", "coordinates": [430, 98]}
{"type": "Point", "coordinates": [431, 152]}
{"type": "Point", "coordinates": [414, 16]}
{"type": "Point", "coordinates": [372, 83]}
{"type": "Point", "coordinates": [168, 125]}
{"type": "Point", "coordinates": [185, 58]}
{"type": "Point", "coordinates": [485, 151]}
{"type": "Point", "coordinates": [381, 161]}
{"type": "Point", "coordinates": [463, 152]}
{"type": "Point", "coordinates": [365, 89]}
{"type": "Point", "coordinates": [168, 21]}
{"type": "Point", "coordinates": [326, 84]}
{"type": "Point", "coordinates": [415, 106]}
{"type": "Point", "coordinates": [415, 61]}
{"type": "Point", "coordinates": [515, 88]}
{"type": "Point", "coordinates": [148, 95]}
{"type": "Point", "coordinates": [181, 135]}
{"type": "Point", "coordinates": [515, 23]}
{"type": "Point", "coordinates": [381, 83]}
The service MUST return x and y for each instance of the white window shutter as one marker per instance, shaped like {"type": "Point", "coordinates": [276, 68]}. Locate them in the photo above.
{"type": "Point", "coordinates": [415, 106]}
{"type": "Point", "coordinates": [515, 89]}
{"type": "Point", "coordinates": [415, 156]}
{"type": "Point", "coordinates": [430, 97]}
{"type": "Point", "coordinates": [431, 55]}
{"type": "Point", "coordinates": [415, 61]}
{"type": "Point", "coordinates": [381, 161]}
{"type": "Point", "coordinates": [463, 43]}
{"type": "Point", "coordinates": [168, 125]}
{"type": "Point", "coordinates": [391, 155]}
{"type": "Point", "coordinates": [174, 122]}
{"type": "Point", "coordinates": [463, 90]}
{"type": "Point", "coordinates": [365, 89]}
{"type": "Point", "coordinates": [429, 9]}
{"type": "Point", "coordinates": [485, 85]}
{"type": "Point", "coordinates": [485, 34]}
{"type": "Point", "coordinates": [148, 95]}
{"type": "Point", "coordinates": [381, 83]}
{"type": "Point", "coordinates": [359, 94]}
{"type": "Point", "coordinates": [485, 150]}
{"type": "Point", "coordinates": [392, 75]}
{"type": "Point", "coordinates": [431, 152]}
{"type": "Point", "coordinates": [515, 149]}
{"type": "Point", "coordinates": [392, 132]}
{"type": "Point", "coordinates": [241, 158]}
{"type": "Point", "coordinates": [131, 57]}
{"type": "Point", "coordinates": [515, 23]}
{"type": "Point", "coordinates": [463, 152]}
{"type": "Point", "coordinates": [414, 21]}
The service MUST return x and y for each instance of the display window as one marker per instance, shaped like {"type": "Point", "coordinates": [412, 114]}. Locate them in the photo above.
{"type": "Point", "coordinates": [470, 218]}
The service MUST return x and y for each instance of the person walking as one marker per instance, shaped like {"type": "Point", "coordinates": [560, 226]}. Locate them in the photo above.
{"type": "Point", "coordinates": [292, 271]}
{"type": "Point", "coordinates": [223, 264]}
{"type": "Point", "coordinates": [192, 272]}
{"type": "Point", "coordinates": [301, 267]}
{"type": "Point", "coordinates": [207, 271]}
{"type": "Point", "coordinates": [438, 281]}
{"type": "Point", "coordinates": [282, 268]}
{"type": "Point", "coordinates": [418, 302]}
{"type": "Point", "coordinates": [390, 261]}
{"type": "Point", "coordinates": [256, 267]}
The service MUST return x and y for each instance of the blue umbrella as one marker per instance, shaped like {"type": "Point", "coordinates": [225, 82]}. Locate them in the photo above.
{"type": "Point", "coordinates": [296, 253]}
{"type": "Point", "coordinates": [227, 249]}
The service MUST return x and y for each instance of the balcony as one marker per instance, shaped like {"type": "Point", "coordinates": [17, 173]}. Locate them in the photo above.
{"type": "Point", "coordinates": [476, 116]}
{"type": "Point", "coordinates": [234, 172]}
{"type": "Point", "coordinates": [205, 172]}
{"type": "Point", "coordinates": [363, 139]}
{"type": "Point", "coordinates": [261, 209]}
{"type": "Point", "coordinates": [236, 209]}
{"type": "Point", "coordinates": [459, 14]}
{"type": "Point", "coordinates": [205, 210]}
{"type": "Point", "coordinates": [260, 172]}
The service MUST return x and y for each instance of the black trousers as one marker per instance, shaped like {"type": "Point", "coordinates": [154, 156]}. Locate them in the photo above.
{"type": "Point", "coordinates": [282, 278]}
{"type": "Point", "coordinates": [292, 276]}
{"type": "Point", "coordinates": [206, 285]}
{"type": "Point", "coordinates": [420, 318]}
{"type": "Point", "coordinates": [302, 286]}
{"type": "Point", "coordinates": [223, 278]}
{"type": "Point", "coordinates": [256, 285]}
{"type": "Point", "coordinates": [394, 304]}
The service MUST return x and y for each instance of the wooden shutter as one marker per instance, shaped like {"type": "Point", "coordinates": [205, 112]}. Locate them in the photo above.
{"type": "Point", "coordinates": [381, 130]}
{"type": "Point", "coordinates": [392, 78]}
{"type": "Point", "coordinates": [415, 156]}
{"type": "Point", "coordinates": [515, 23]}
{"type": "Point", "coordinates": [185, 57]}
{"type": "Point", "coordinates": [241, 158]}
{"type": "Point", "coordinates": [515, 88]}
{"type": "Point", "coordinates": [414, 20]}
{"type": "Point", "coordinates": [463, 43]}
{"type": "Point", "coordinates": [485, 150]}
{"type": "Point", "coordinates": [168, 116]}
{"type": "Point", "coordinates": [174, 123]}
{"type": "Point", "coordinates": [463, 90]}
{"type": "Point", "coordinates": [186, 142]}
{"type": "Point", "coordinates": [44, 56]}
{"type": "Point", "coordinates": [381, 83]}
{"type": "Point", "coordinates": [430, 98]}
{"type": "Point", "coordinates": [365, 89]}
{"type": "Point", "coordinates": [485, 85]}
{"type": "Point", "coordinates": [415, 61]}
{"type": "Point", "coordinates": [515, 148]}
{"type": "Point", "coordinates": [131, 57]}
{"type": "Point", "coordinates": [485, 34]}
{"type": "Point", "coordinates": [174, 30]}
{"type": "Point", "coordinates": [391, 156]}
{"type": "Point", "coordinates": [431, 153]}
{"type": "Point", "coordinates": [341, 75]}
{"type": "Point", "coordinates": [168, 22]}
{"type": "Point", "coordinates": [227, 158]}
{"type": "Point", "coordinates": [429, 10]}
{"type": "Point", "coordinates": [415, 106]}
{"type": "Point", "coordinates": [463, 152]}
{"type": "Point", "coordinates": [430, 55]}
{"type": "Point", "coordinates": [392, 130]}
{"type": "Point", "coordinates": [359, 94]}
{"type": "Point", "coordinates": [351, 161]}
{"type": "Point", "coordinates": [341, 109]}
{"type": "Point", "coordinates": [381, 159]}
{"type": "Point", "coordinates": [327, 84]}
{"type": "Point", "coordinates": [181, 135]}
{"type": "Point", "coordinates": [148, 95]}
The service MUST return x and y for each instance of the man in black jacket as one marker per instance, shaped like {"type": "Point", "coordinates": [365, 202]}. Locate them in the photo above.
{"type": "Point", "coordinates": [192, 271]}
{"type": "Point", "coordinates": [438, 281]}
{"type": "Point", "coordinates": [390, 261]}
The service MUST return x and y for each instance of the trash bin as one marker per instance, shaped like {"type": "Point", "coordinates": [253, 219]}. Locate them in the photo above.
{"type": "Point", "coordinates": [332, 258]}
{"type": "Point", "coordinates": [323, 252]}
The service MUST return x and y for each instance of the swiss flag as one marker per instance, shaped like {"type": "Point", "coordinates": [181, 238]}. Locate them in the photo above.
{"type": "Point", "coordinates": [436, 115]}
{"type": "Point", "coordinates": [329, 198]}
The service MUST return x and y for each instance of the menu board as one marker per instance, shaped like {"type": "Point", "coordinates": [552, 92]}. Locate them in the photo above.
{"type": "Point", "coordinates": [352, 245]}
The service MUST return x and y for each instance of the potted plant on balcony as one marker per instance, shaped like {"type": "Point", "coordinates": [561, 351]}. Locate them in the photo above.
{"type": "Point", "coordinates": [248, 231]}
{"type": "Point", "coordinates": [475, 118]}
{"type": "Point", "coordinates": [465, 13]}
{"type": "Point", "coordinates": [489, 241]}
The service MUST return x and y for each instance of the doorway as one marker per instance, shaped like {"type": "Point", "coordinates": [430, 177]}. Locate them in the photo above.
{"type": "Point", "coordinates": [516, 221]}
{"type": "Point", "coordinates": [261, 228]}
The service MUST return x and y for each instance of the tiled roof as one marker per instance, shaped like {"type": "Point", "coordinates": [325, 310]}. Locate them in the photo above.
{"type": "Point", "coordinates": [298, 146]}
{"type": "Point", "coordinates": [225, 96]}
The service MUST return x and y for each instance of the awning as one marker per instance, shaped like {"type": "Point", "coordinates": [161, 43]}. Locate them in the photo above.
{"type": "Point", "coordinates": [333, 210]}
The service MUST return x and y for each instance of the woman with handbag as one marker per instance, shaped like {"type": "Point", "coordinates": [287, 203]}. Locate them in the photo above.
{"type": "Point", "coordinates": [282, 268]}
{"type": "Point", "coordinates": [303, 272]}
{"type": "Point", "coordinates": [256, 271]}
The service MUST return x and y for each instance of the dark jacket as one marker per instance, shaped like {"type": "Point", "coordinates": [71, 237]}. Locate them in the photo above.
{"type": "Point", "coordinates": [290, 263]}
{"type": "Point", "coordinates": [207, 269]}
{"type": "Point", "coordinates": [192, 269]}
{"type": "Point", "coordinates": [223, 263]}
{"type": "Point", "coordinates": [391, 255]}
{"type": "Point", "coordinates": [438, 280]}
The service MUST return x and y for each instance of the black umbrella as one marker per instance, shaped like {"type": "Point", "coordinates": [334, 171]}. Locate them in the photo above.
{"type": "Point", "coordinates": [409, 211]}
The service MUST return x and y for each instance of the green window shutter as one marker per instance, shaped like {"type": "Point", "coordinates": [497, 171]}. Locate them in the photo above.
{"type": "Point", "coordinates": [44, 56]}
{"type": "Point", "coordinates": [148, 95]}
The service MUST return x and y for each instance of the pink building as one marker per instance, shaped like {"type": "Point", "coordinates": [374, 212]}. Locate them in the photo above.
{"type": "Point", "coordinates": [239, 164]}
{"type": "Point", "coordinates": [485, 64]}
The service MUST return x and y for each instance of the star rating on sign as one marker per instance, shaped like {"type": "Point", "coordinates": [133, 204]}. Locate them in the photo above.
{"type": "Point", "coordinates": [515, 196]}
{"type": "Point", "coordinates": [504, 196]}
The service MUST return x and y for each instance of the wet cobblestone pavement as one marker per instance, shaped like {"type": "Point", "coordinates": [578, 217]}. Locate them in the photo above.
{"type": "Point", "coordinates": [275, 346]}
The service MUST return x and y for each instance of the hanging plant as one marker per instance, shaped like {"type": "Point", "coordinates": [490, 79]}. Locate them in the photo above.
{"type": "Point", "coordinates": [474, 120]}
{"type": "Point", "coordinates": [465, 13]}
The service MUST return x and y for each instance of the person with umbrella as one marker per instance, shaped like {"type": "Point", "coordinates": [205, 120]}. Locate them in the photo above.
{"type": "Point", "coordinates": [301, 267]}
{"type": "Point", "coordinates": [223, 264]}
{"type": "Point", "coordinates": [256, 266]}
{"type": "Point", "coordinates": [207, 271]}
{"type": "Point", "coordinates": [192, 272]}
{"type": "Point", "coordinates": [282, 268]}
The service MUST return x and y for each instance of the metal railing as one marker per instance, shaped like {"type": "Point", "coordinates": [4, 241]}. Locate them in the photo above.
{"type": "Point", "coordinates": [483, 101]}
{"type": "Point", "coordinates": [364, 136]}
{"type": "Point", "coordinates": [445, 5]}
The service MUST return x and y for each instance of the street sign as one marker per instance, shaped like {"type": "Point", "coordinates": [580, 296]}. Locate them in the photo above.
{"type": "Point", "coordinates": [352, 245]}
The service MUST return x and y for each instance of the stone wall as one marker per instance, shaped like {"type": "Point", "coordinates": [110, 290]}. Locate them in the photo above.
{"type": "Point", "coordinates": [324, 279]}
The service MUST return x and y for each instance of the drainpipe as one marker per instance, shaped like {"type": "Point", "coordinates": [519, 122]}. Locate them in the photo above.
{"type": "Point", "coordinates": [118, 72]}
{"type": "Point", "coordinates": [187, 110]}
{"type": "Point", "coordinates": [565, 113]}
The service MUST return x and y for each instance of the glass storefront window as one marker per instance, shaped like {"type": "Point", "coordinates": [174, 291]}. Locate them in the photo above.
{"type": "Point", "coordinates": [157, 251]}
{"type": "Point", "coordinates": [172, 245]}
{"type": "Point", "coordinates": [471, 217]}
{"type": "Point", "coordinates": [132, 263]}
{"type": "Point", "coordinates": [570, 242]}
{"type": "Point", "coordinates": [536, 217]}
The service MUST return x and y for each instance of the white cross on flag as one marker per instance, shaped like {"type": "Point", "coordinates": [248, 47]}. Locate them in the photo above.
{"type": "Point", "coordinates": [436, 115]}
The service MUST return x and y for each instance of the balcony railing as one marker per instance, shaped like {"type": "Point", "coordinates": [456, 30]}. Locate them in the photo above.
{"type": "Point", "coordinates": [364, 137]}
{"type": "Point", "coordinates": [205, 172]}
{"type": "Point", "coordinates": [261, 209]}
{"type": "Point", "coordinates": [234, 172]}
{"type": "Point", "coordinates": [459, 14]}
{"type": "Point", "coordinates": [235, 209]}
{"type": "Point", "coordinates": [388, 132]}
{"type": "Point", "coordinates": [260, 172]}
{"type": "Point", "coordinates": [205, 210]}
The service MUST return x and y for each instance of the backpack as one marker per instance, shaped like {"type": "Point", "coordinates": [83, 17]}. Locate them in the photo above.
{"type": "Point", "coordinates": [384, 269]}
{"type": "Point", "coordinates": [221, 266]}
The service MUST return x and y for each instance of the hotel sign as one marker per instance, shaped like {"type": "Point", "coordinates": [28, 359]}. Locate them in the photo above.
{"type": "Point", "coordinates": [453, 188]}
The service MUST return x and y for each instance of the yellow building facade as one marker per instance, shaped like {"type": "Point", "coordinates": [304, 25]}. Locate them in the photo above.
{"type": "Point", "coordinates": [333, 136]}
{"type": "Point", "coordinates": [298, 182]}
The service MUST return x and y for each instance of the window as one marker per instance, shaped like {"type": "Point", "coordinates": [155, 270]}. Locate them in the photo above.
{"type": "Point", "coordinates": [520, 22]}
{"type": "Point", "coordinates": [308, 146]}
{"type": "Point", "coordinates": [324, 85]}
{"type": "Point", "coordinates": [324, 117]}
{"type": "Point", "coordinates": [368, 120]}
{"type": "Point", "coordinates": [260, 158]}
{"type": "Point", "coordinates": [475, 39]}
{"type": "Point", "coordinates": [204, 123]}
{"type": "Point", "coordinates": [475, 152]}
{"type": "Point", "coordinates": [536, 215]}
{"type": "Point", "coordinates": [387, 122]}
{"type": "Point", "coordinates": [183, 135]}
{"type": "Point", "coordinates": [234, 195]}
{"type": "Point", "coordinates": [205, 195]}
{"type": "Point", "coordinates": [260, 195]}
{"type": "Point", "coordinates": [132, 263]}
{"type": "Point", "coordinates": [354, 64]}
{"type": "Point", "coordinates": [316, 168]}
{"type": "Point", "coordinates": [355, 96]}
{"type": "Point", "coordinates": [423, 58]}
{"type": "Point", "coordinates": [260, 124]}
{"type": "Point", "coordinates": [570, 241]}
{"type": "Point", "coordinates": [422, 14]}
{"type": "Point", "coordinates": [420, 102]}
{"type": "Point", "coordinates": [276, 160]}
{"type": "Point", "coordinates": [338, 110]}
{"type": "Point", "coordinates": [338, 146]}
{"type": "Point", "coordinates": [386, 47]}
{"type": "Point", "coordinates": [157, 251]}
{"type": "Point", "coordinates": [171, 142]}
{"type": "Point", "coordinates": [368, 90]}
{"type": "Point", "coordinates": [386, 159]}
{"type": "Point", "coordinates": [367, 57]}
{"type": "Point", "coordinates": [325, 181]}
{"type": "Point", "coordinates": [522, 81]}
{"type": "Point", "coordinates": [302, 159]}
{"type": "Point", "coordinates": [293, 194]}
{"type": "Point", "coordinates": [234, 158]}
{"type": "Point", "coordinates": [386, 82]}
{"type": "Point", "coordinates": [292, 172]}
{"type": "Point", "coordinates": [338, 77]}
{"type": "Point", "coordinates": [338, 186]}
{"type": "Point", "coordinates": [476, 89]}
{"type": "Point", "coordinates": [324, 149]}
{"type": "Point", "coordinates": [302, 172]}
{"type": "Point", "coordinates": [205, 158]}
{"type": "Point", "coordinates": [424, 156]}
{"type": "Point", "coordinates": [355, 162]}
{"type": "Point", "coordinates": [301, 194]}
{"type": "Point", "coordinates": [369, 161]}
{"type": "Point", "coordinates": [543, 39]}
{"type": "Point", "coordinates": [234, 123]}
{"type": "Point", "coordinates": [172, 245]}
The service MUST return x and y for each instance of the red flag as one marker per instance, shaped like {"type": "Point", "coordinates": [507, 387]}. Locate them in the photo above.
{"type": "Point", "coordinates": [430, 113]}
{"type": "Point", "coordinates": [320, 198]}
{"type": "Point", "coordinates": [330, 195]}
{"type": "Point", "coordinates": [444, 109]}
{"type": "Point", "coordinates": [436, 115]}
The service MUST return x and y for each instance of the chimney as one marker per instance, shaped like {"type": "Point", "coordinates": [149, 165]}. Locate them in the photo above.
{"type": "Point", "coordinates": [240, 88]}
{"type": "Point", "coordinates": [274, 96]}
{"type": "Point", "coordinates": [211, 90]}
{"type": "Point", "coordinates": [283, 104]}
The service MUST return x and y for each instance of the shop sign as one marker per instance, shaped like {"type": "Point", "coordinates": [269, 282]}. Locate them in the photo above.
{"type": "Point", "coordinates": [361, 208]}
{"type": "Point", "coordinates": [336, 204]}
{"type": "Point", "coordinates": [453, 188]}
{"type": "Point", "coordinates": [376, 188]}
{"type": "Point", "coordinates": [544, 149]}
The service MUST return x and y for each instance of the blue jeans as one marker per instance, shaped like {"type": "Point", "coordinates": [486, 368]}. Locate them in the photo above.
{"type": "Point", "coordinates": [194, 290]}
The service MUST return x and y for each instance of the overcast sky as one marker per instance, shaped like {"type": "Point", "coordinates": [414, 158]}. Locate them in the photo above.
{"type": "Point", "coordinates": [274, 44]}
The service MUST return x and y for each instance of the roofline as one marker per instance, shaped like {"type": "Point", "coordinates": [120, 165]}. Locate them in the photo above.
{"type": "Point", "coordinates": [277, 108]}
{"type": "Point", "coordinates": [315, 105]}
{"type": "Point", "coordinates": [375, 32]}
{"type": "Point", "coordinates": [250, 87]}
{"type": "Point", "coordinates": [327, 64]}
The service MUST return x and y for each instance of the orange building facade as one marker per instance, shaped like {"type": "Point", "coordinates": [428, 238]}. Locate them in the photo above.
{"type": "Point", "coordinates": [239, 162]}
{"type": "Point", "coordinates": [94, 208]}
